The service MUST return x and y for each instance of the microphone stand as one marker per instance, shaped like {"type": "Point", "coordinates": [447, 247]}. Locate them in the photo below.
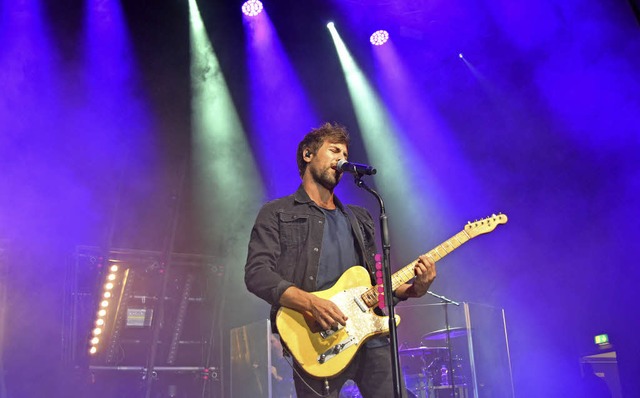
{"type": "Point", "coordinates": [388, 289]}
{"type": "Point", "coordinates": [446, 301]}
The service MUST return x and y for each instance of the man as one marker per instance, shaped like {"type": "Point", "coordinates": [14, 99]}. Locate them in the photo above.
{"type": "Point", "coordinates": [304, 242]}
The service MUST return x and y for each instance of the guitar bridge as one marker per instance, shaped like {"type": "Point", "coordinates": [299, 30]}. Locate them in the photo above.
{"type": "Point", "coordinates": [335, 350]}
{"type": "Point", "coordinates": [330, 332]}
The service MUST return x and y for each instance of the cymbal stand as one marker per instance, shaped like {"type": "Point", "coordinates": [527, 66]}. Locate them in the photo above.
{"type": "Point", "coordinates": [446, 301]}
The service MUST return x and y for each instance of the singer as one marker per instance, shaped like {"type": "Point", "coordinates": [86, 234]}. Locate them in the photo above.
{"type": "Point", "coordinates": [304, 242]}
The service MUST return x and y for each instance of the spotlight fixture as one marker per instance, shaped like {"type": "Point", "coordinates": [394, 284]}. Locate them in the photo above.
{"type": "Point", "coordinates": [331, 25]}
{"type": "Point", "coordinates": [379, 37]}
{"type": "Point", "coordinates": [251, 8]}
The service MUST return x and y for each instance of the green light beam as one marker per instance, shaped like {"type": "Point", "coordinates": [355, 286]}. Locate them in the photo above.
{"type": "Point", "coordinates": [228, 187]}
{"type": "Point", "coordinates": [379, 137]}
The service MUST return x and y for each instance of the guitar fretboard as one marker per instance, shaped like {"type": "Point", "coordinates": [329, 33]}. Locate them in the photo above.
{"type": "Point", "coordinates": [370, 297]}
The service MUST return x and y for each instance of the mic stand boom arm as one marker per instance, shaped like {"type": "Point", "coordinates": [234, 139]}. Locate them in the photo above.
{"type": "Point", "coordinates": [388, 292]}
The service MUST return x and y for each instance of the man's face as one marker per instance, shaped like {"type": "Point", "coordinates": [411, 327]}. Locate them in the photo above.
{"type": "Point", "coordinates": [323, 164]}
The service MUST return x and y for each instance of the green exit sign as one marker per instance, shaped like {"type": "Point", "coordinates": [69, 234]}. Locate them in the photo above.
{"type": "Point", "coordinates": [601, 339]}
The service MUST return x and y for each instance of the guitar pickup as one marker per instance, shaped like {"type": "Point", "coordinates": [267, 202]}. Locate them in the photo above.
{"type": "Point", "coordinates": [335, 350]}
{"type": "Point", "coordinates": [361, 304]}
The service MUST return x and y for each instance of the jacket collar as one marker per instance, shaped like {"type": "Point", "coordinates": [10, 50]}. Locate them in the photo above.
{"type": "Point", "coordinates": [301, 196]}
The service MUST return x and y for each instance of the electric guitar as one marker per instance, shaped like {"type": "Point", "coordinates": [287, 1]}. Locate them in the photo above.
{"type": "Point", "coordinates": [325, 353]}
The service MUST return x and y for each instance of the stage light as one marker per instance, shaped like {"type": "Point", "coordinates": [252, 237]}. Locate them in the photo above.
{"type": "Point", "coordinates": [461, 56]}
{"type": "Point", "coordinates": [251, 8]}
{"type": "Point", "coordinates": [103, 318]}
{"type": "Point", "coordinates": [330, 25]}
{"type": "Point", "coordinates": [379, 37]}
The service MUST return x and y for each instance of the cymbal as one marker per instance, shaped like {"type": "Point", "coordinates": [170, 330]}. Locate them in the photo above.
{"type": "Point", "coordinates": [442, 334]}
{"type": "Point", "coordinates": [420, 350]}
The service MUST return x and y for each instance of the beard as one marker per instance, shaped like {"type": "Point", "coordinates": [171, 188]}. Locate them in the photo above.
{"type": "Point", "coordinates": [328, 178]}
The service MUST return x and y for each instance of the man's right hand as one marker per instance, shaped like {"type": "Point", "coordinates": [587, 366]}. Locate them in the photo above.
{"type": "Point", "coordinates": [324, 311]}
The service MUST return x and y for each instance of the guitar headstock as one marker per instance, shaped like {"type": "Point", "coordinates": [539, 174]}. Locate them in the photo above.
{"type": "Point", "coordinates": [485, 225]}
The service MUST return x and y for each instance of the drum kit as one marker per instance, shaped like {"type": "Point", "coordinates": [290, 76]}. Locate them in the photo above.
{"type": "Point", "coordinates": [431, 370]}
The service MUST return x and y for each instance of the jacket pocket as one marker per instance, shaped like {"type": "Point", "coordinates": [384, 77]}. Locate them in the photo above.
{"type": "Point", "coordinates": [294, 229]}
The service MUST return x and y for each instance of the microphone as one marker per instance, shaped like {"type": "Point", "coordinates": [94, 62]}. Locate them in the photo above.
{"type": "Point", "coordinates": [355, 168]}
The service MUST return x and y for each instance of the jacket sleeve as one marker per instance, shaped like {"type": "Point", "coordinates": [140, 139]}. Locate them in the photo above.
{"type": "Point", "coordinates": [261, 270]}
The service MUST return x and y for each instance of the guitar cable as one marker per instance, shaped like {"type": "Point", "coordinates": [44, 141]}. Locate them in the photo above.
{"type": "Point", "coordinates": [287, 356]}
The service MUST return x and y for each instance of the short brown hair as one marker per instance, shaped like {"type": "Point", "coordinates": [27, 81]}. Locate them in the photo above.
{"type": "Point", "coordinates": [314, 139]}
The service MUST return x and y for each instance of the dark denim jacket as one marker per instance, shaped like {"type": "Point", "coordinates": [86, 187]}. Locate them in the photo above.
{"type": "Point", "coordinates": [285, 245]}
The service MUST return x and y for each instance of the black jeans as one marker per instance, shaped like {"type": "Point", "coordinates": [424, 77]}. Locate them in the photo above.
{"type": "Point", "coordinates": [370, 370]}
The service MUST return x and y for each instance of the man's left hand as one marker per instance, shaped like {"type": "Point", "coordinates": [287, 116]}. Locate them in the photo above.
{"type": "Point", "coordinates": [425, 271]}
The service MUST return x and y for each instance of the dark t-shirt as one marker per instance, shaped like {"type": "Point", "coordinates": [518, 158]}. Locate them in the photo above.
{"type": "Point", "coordinates": [339, 254]}
{"type": "Point", "coordinates": [338, 249]}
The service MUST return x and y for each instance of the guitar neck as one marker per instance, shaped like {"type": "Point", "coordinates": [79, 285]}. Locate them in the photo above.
{"type": "Point", "coordinates": [439, 252]}
{"type": "Point", "coordinates": [405, 274]}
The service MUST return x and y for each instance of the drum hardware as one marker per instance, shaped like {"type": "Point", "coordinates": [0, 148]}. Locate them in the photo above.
{"type": "Point", "coordinates": [442, 371]}
{"type": "Point", "coordinates": [442, 334]}
{"type": "Point", "coordinates": [421, 351]}
{"type": "Point", "coordinates": [427, 369]}
{"type": "Point", "coordinates": [350, 390]}
{"type": "Point", "coordinates": [415, 363]}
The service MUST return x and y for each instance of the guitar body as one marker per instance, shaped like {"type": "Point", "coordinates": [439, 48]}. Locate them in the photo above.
{"type": "Point", "coordinates": [326, 356]}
